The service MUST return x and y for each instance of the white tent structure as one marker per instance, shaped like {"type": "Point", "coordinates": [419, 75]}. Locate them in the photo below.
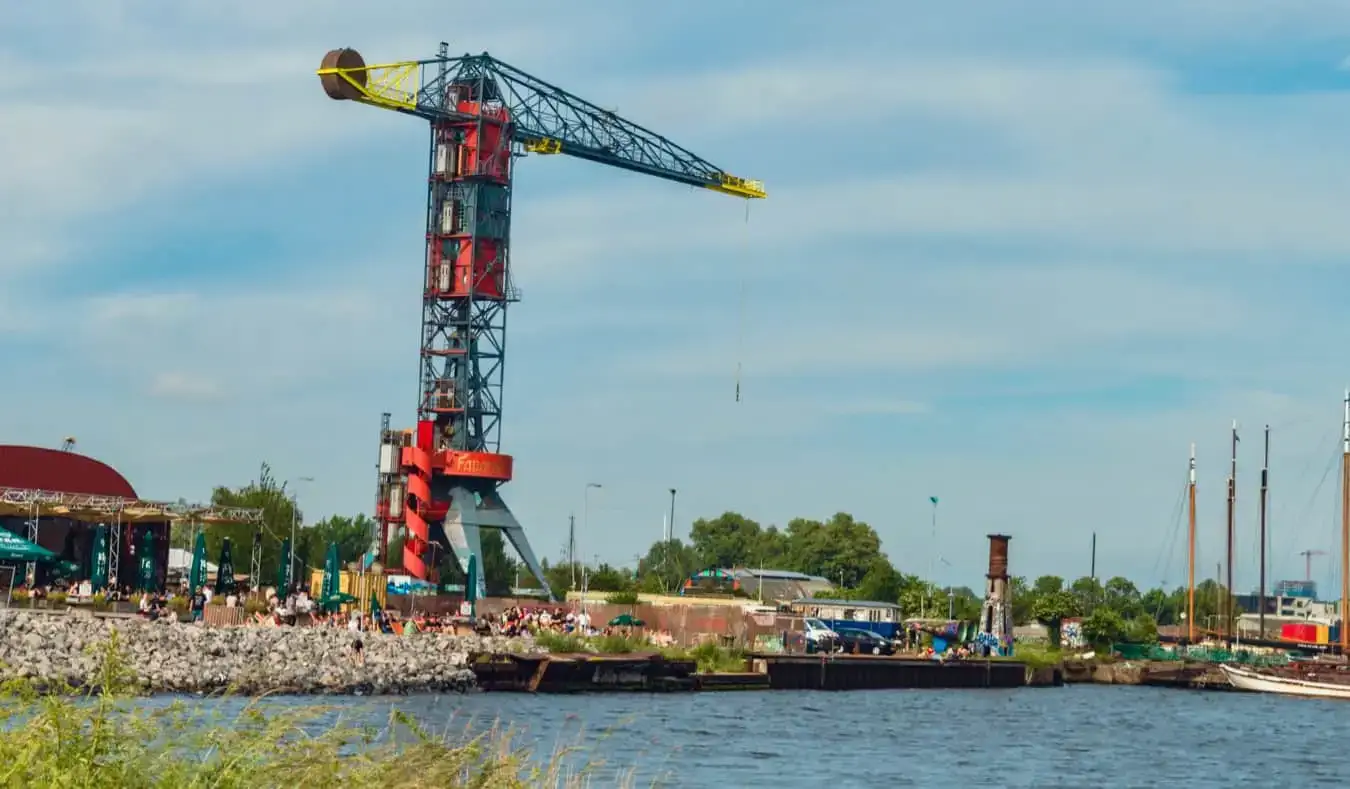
{"type": "Point", "coordinates": [180, 562]}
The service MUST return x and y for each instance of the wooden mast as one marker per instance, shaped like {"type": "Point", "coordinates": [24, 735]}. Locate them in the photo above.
{"type": "Point", "coordinates": [1190, 566]}
{"type": "Point", "coordinates": [1345, 524]}
{"type": "Point", "coordinates": [1228, 569]}
{"type": "Point", "coordinates": [1265, 492]}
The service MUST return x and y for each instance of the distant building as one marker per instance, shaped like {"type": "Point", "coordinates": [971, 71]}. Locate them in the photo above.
{"type": "Point", "coordinates": [782, 586]}
{"type": "Point", "coordinates": [1296, 589]}
{"type": "Point", "coordinates": [1283, 609]}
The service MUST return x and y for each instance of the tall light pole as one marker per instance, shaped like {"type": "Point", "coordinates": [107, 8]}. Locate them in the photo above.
{"type": "Point", "coordinates": [670, 535]}
{"type": "Point", "coordinates": [932, 550]}
{"type": "Point", "coordinates": [586, 512]}
{"type": "Point", "coordinates": [295, 521]}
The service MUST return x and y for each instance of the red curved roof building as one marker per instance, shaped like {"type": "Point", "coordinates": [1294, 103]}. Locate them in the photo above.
{"type": "Point", "coordinates": [60, 471]}
{"type": "Point", "coordinates": [39, 468]}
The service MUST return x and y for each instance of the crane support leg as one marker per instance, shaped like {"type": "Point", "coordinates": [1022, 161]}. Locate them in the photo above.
{"type": "Point", "coordinates": [474, 507]}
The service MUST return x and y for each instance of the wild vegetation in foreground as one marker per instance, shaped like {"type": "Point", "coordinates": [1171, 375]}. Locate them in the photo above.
{"type": "Point", "coordinates": [98, 739]}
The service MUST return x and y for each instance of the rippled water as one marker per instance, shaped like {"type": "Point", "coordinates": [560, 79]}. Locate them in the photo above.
{"type": "Point", "coordinates": [1081, 736]}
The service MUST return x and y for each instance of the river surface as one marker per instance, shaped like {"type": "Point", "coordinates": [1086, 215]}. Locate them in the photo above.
{"type": "Point", "coordinates": [1078, 736]}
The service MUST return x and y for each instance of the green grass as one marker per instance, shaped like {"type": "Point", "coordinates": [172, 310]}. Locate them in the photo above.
{"type": "Point", "coordinates": [1035, 655]}
{"type": "Point", "coordinates": [95, 739]}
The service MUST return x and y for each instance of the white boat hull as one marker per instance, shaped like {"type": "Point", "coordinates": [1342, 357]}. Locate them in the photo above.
{"type": "Point", "coordinates": [1243, 679]}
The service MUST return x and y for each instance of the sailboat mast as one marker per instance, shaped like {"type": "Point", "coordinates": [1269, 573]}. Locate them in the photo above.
{"type": "Point", "coordinates": [1190, 566]}
{"type": "Point", "coordinates": [1345, 524]}
{"type": "Point", "coordinates": [1265, 491]}
{"type": "Point", "coordinates": [1228, 570]}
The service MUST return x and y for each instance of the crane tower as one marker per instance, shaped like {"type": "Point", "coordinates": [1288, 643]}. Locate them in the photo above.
{"type": "Point", "coordinates": [442, 479]}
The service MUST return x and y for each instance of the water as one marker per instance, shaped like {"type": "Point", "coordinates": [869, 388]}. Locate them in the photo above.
{"type": "Point", "coordinates": [1054, 737]}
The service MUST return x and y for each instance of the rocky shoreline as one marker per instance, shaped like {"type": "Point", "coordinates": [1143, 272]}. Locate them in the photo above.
{"type": "Point", "coordinates": [172, 657]}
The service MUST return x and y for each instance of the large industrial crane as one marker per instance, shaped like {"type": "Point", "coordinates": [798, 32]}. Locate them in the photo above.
{"type": "Point", "coordinates": [442, 479]}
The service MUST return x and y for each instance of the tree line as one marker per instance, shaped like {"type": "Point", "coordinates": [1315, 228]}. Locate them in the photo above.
{"type": "Point", "coordinates": [841, 549]}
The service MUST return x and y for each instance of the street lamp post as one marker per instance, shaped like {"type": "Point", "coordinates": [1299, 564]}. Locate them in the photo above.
{"type": "Point", "coordinates": [586, 512]}
{"type": "Point", "coordinates": [671, 526]}
{"type": "Point", "coordinates": [295, 523]}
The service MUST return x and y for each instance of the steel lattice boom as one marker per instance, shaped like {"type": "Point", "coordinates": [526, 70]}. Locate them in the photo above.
{"type": "Point", "coordinates": [441, 481]}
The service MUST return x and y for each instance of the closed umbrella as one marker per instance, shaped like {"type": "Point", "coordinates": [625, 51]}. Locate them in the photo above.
{"type": "Point", "coordinates": [328, 590]}
{"type": "Point", "coordinates": [471, 586]}
{"type": "Point", "coordinates": [146, 576]}
{"type": "Point", "coordinates": [98, 562]}
{"type": "Point", "coordinates": [197, 577]}
{"type": "Point", "coordinates": [225, 569]}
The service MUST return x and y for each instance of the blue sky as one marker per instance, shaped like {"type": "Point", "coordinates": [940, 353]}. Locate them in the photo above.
{"type": "Point", "coordinates": [1015, 255]}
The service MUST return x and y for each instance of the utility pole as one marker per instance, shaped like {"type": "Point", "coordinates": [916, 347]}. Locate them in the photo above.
{"type": "Point", "coordinates": [572, 549]}
{"type": "Point", "coordinates": [1093, 569]}
{"type": "Point", "coordinates": [1228, 574]}
{"type": "Point", "coordinates": [1265, 491]}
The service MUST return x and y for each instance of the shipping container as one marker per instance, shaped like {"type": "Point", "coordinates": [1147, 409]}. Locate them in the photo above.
{"type": "Point", "coordinates": [1301, 632]}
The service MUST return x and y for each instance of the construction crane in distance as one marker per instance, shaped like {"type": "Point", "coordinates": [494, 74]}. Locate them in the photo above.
{"type": "Point", "coordinates": [1307, 561]}
{"type": "Point", "coordinates": [441, 481]}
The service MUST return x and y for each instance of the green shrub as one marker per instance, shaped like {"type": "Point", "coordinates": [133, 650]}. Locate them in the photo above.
{"type": "Point", "coordinates": [57, 599]}
{"type": "Point", "coordinates": [560, 643]}
{"type": "Point", "coordinates": [99, 601]}
{"type": "Point", "coordinates": [254, 606]}
{"type": "Point", "coordinates": [216, 600]}
{"type": "Point", "coordinates": [626, 597]}
{"type": "Point", "coordinates": [616, 644]}
{"type": "Point", "coordinates": [19, 597]}
{"type": "Point", "coordinates": [179, 604]}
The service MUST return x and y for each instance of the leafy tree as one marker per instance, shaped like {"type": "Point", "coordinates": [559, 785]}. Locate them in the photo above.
{"type": "Point", "coordinates": [1051, 609]}
{"type": "Point", "coordinates": [1023, 600]}
{"type": "Point", "coordinates": [1103, 627]}
{"type": "Point", "coordinates": [1142, 629]}
{"type": "Point", "coordinates": [607, 578]}
{"type": "Point", "coordinates": [881, 582]}
{"type": "Point", "coordinates": [1088, 592]}
{"type": "Point", "coordinates": [1047, 584]}
{"type": "Point", "coordinates": [1122, 596]}
{"type": "Point", "coordinates": [666, 566]}
{"type": "Point", "coordinates": [841, 549]}
{"type": "Point", "coordinates": [729, 540]}
{"type": "Point", "coordinates": [278, 509]}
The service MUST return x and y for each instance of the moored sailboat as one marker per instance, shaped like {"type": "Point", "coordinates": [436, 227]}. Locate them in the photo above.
{"type": "Point", "coordinates": [1335, 683]}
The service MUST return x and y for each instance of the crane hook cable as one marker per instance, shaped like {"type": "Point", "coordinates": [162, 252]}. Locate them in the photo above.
{"type": "Point", "coordinates": [740, 317]}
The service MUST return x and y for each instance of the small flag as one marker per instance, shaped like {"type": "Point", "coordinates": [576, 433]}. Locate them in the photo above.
{"type": "Point", "coordinates": [933, 499]}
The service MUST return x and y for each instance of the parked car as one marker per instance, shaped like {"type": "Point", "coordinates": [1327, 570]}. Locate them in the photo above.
{"type": "Point", "coordinates": [863, 642]}
{"type": "Point", "coordinates": [819, 637]}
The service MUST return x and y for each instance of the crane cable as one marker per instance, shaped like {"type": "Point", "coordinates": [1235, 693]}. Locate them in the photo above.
{"type": "Point", "coordinates": [740, 314]}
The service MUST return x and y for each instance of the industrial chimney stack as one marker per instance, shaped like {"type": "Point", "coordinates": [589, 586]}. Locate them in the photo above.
{"type": "Point", "coordinates": [996, 616]}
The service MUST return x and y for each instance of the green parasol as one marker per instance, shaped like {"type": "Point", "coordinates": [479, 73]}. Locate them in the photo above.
{"type": "Point", "coordinates": [98, 561]}
{"type": "Point", "coordinates": [328, 590]}
{"type": "Point", "coordinates": [225, 569]}
{"type": "Point", "coordinates": [197, 577]}
{"type": "Point", "coordinates": [626, 620]}
{"type": "Point", "coordinates": [471, 586]}
{"type": "Point", "coordinates": [146, 562]}
{"type": "Point", "coordinates": [16, 549]}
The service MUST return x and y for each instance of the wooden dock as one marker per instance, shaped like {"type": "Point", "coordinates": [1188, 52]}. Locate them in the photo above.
{"type": "Point", "coordinates": [650, 673]}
